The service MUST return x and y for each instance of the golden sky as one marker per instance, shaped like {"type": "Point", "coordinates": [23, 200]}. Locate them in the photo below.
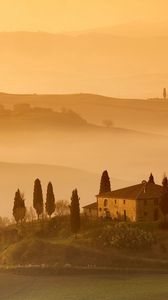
{"type": "Point", "coordinates": [63, 15]}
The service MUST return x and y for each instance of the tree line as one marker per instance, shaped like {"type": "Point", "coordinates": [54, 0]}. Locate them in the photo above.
{"type": "Point", "coordinates": [49, 207]}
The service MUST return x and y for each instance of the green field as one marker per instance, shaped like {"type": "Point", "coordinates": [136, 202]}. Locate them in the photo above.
{"type": "Point", "coordinates": [114, 287]}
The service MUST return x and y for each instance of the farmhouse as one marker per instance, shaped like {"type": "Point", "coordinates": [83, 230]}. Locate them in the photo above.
{"type": "Point", "coordinates": [90, 210]}
{"type": "Point", "coordinates": [137, 203]}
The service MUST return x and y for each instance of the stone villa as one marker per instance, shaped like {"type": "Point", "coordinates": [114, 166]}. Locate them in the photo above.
{"type": "Point", "coordinates": [134, 203]}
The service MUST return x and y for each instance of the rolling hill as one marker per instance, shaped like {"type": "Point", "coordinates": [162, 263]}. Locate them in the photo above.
{"type": "Point", "coordinates": [148, 116]}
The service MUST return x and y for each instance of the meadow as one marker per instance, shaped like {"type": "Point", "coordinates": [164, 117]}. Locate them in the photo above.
{"type": "Point", "coordinates": [116, 287]}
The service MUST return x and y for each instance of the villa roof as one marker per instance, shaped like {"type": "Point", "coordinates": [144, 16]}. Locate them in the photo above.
{"type": "Point", "coordinates": [91, 206]}
{"type": "Point", "coordinates": [136, 192]}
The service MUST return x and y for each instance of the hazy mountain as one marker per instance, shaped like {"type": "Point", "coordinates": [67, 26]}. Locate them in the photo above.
{"type": "Point", "coordinates": [14, 176]}
{"type": "Point", "coordinates": [136, 28]}
{"type": "Point", "coordinates": [147, 116]}
{"type": "Point", "coordinates": [101, 62]}
{"type": "Point", "coordinates": [26, 117]}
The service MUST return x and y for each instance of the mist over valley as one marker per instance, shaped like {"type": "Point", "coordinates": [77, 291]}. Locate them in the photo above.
{"type": "Point", "coordinates": [83, 132]}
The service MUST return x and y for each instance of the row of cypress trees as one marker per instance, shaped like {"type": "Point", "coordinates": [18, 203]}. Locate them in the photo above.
{"type": "Point", "coordinates": [19, 208]}
{"type": "Point", "coordinates": [38, 202]}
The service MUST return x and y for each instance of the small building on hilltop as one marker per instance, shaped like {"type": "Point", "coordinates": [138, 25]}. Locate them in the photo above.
{"type": "Point", "coordinates": [138, 203]}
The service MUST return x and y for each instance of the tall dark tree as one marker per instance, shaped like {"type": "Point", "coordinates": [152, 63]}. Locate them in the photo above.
{"type": "Point", "coordinates": [19, 209]}
{"type": "Point", "coordinates": [164, 93]}
{"type": "Point", "coordinates": [151, 179]}
{"type": "Point", "coordinates": [105, 185]}
{"type": "Point", "coordinates": [38, 198]}
{"type": "Point", "coordinates": [165, 181]}
{"type": "Point", "coordinates": [75, 212]}
{"type": "Point", "coordinates": [164, 202]}
{"type": "Point", "coordinates": [50, 200]}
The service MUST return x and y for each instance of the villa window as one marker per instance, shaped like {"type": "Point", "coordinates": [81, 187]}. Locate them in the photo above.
{"type": "Point", "coordinates": [105, 203]}
{"type": "Point", "coordinates": [115, 201]}
{"type": "Point", "coordinates": [100, 209]}
{"type": "Point", "coordinates": [123, 201]}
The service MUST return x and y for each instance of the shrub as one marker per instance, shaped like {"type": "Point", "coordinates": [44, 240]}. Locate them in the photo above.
{"type": "Point", "coordinates": [59, 226]}
{"type": "Point", "coordinates": [124, 235]}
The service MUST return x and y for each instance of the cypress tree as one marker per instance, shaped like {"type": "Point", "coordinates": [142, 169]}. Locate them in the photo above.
{"type": "Point", "coordinates": [50, 200]}
{"type": "Point", "coordinates": [19, 209]}
{"type": "Point", "coordinates": [105, 185]}
{"type": "Point", "coordinates": [165, 181]}
{"type": "Point", "coordinates": [38, 198]}
{"type": "Point", "coordinates": [164, 93]}
{"type": "Point", "coordinates": [75, 212]}
{"type": "Point", "coordinates": [151, 179]}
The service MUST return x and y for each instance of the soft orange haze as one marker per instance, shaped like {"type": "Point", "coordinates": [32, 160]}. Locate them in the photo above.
{"type": "Point", "coordinates": [54, 15]}
{"type": "Point", "coordinates": [115, 48]}
{"type": "Point", "coordinates": [102, 47]}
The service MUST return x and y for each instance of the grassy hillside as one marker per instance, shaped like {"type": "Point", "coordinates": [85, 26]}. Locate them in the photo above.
{"type": "Point", "coordinates": [52, 243]}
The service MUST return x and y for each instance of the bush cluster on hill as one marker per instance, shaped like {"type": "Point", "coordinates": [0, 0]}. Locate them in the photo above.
{"type": "Point", "coordinates": [124, 235]}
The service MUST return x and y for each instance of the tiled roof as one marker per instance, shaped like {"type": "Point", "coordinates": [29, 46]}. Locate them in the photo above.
{"type": "Point", "coordinates": [92, 205]}
{"type": "Point", "coordinates": [139, 192]}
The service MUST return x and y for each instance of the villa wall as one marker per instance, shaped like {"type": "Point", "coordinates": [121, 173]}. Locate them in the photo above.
{"type": "Point", "coordinates": [90, 212]}
{"type": "Point", "coordinates": [127, 209]}
{"type": "Point", "coordinates": [148, 210]}
{"type": "Point", "coordinates": [118, 208]}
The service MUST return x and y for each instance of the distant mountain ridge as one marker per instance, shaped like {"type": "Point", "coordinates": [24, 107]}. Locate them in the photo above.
{"type": "Point", "coordinates": [100, 62]}
{"type": "Point", "coordinates": [136, 29]}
